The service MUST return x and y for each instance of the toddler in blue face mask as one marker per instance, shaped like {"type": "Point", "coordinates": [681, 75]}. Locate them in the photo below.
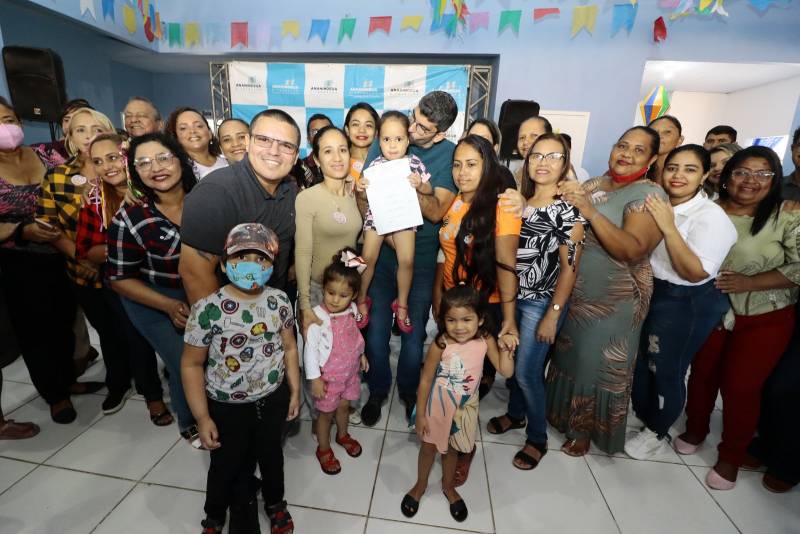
{"type": "Point", "coordinates": [241, 376]}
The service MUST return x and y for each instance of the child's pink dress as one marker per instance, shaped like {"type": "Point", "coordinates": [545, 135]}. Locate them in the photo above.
{"type": "Point", "coordinates": [452, 409]}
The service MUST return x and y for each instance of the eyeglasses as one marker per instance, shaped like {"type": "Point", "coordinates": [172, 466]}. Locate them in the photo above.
{"type": "Point", "coordinates": [421, 129]}
{"type": "Point", "coordinates": [110, 159]}
{"type": "Point", "coordinates": [552, 157]}
{"type": "Point", "coordinates": [145, 164]}
{"type": "Point", "coordinates": [285, 147]}
{"type": "Point", "coordinates": [760, 176]}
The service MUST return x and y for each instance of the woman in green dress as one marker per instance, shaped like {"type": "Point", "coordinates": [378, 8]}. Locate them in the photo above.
{"type": "Point", "coordinates": [589, 377]}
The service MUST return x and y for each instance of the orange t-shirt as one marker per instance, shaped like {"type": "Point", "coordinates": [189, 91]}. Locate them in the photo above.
{"type": "Point", "coordinates": [507, 224]}
{"type": "Point", "coordinates": [356, 166]}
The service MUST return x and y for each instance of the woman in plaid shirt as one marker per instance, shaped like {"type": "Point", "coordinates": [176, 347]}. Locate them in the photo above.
{"type": "Point", "coordinates": [144, 246]}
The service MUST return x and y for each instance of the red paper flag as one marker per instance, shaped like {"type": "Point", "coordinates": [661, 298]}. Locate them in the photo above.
{"type": "Point", "coordinates": [542, 12]}
{"type": "Point", "coordinates": [659, 30]}
{"type": "Point", "coordinates": [379, 23]}
{"type": "Point", "coordinates": [148, 30]}
{"type": "Point", "coordinates": [239, 34]}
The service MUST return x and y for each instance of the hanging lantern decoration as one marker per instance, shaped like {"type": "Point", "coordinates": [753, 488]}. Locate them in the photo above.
{"type": "Point", "coordinates": [654, 105]}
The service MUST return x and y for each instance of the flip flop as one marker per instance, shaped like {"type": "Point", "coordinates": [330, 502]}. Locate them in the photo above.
{"type": "Point", "coordinates": [409, 506]}
{"type": "Point", "coordinates": [13, 430]}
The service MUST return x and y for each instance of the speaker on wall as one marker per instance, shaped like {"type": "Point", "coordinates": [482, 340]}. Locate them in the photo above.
{"type": "Point", "coordinates": [512, 113]}
{"type": "Point", "coordinates": [36, 82]}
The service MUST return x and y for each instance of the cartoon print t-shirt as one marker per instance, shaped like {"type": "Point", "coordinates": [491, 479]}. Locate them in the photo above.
{"type": "Point", "coordinates": [245, 350]}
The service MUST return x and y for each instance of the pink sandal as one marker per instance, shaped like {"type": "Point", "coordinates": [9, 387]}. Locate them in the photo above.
{"type": "Point", "coordinates": [403, 324]}
{"type": "Point", "coordinates": [362, 319]}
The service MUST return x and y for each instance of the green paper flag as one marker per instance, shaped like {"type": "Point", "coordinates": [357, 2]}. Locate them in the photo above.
{"type": "Point", "coordinates": [346, 28]}
{"type": "Point", "coordinates": [175, 37]}
{"type": "Point", "coordinates": [510, 18]}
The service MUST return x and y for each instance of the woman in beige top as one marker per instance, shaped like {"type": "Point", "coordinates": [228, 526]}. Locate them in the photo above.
{"type": "Point", "coordinates": [327, 219]}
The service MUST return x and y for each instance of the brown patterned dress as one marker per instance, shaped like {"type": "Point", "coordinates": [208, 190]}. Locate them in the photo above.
{"type": "Point", "coordinates": [589, 377]}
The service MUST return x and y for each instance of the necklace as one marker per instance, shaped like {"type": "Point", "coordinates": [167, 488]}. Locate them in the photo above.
{"type": "Point", "coordinates": [338, 216]}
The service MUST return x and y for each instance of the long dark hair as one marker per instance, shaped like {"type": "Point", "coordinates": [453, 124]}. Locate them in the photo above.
{"type": "Point", "coordinates": [321, 132]}
{"type": "Point", "coordinates": [701, 153]}
{"type": "Point", "coordinates": [172, 129]}
{"type": "Point", "coordinates": [528, 188]}
{"type": "Point", "coordinates": [188, 180]}
{"type": "Point", "coordinates": [770, 204]}
{"type": "Point", "coordinates": [355, 107]}
{"type": "Point", "coordinates": [475, 262]}
{"type": "Point", "coordinates": [463, 296]}
{"type": "Point", "coordinates": [655, 142]}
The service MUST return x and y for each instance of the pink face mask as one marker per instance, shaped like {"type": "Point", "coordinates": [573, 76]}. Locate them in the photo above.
{"type": "Point", "coordinates": [11, 136]}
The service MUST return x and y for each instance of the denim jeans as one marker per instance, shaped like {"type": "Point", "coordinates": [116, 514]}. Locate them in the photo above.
{"type": "Point", "coordinates": [680, 320]}
{"type": "Point", "coordinates": [158, 330]}
{"type": "Point", "coordinates": [383, 291]}
{"type": "Point", "coordinates": [526, 389]}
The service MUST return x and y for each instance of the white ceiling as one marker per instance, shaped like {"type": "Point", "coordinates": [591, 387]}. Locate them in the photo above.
{"type": "Point", "coordinates": [706, 77]}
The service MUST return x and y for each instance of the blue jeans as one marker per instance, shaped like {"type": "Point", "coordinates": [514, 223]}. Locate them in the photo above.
{"type": "Point", "coordinates": [526, 398]}
{"type": "Point", "coordinates": [383, 291]}
{"type": "Point", "coordinates": [680, 320]}
{"type": "Point", "coordinates": [158, 330]}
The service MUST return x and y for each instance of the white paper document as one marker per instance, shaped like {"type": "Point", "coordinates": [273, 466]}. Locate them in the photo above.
{"type": "Point", "coordinates": [392, 200]}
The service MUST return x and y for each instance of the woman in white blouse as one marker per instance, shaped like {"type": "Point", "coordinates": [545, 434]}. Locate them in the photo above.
{"type": "Point", "coordinates": [685, 306]}
{"type": "Point", "coordinates": [189, 127]}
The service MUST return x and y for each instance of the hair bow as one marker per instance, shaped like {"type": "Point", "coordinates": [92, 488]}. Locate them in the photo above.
{"type": "Point", "coordinates": [355, 262]}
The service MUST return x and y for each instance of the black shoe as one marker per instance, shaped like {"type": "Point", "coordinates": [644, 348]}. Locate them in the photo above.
{"type": "Point", "coordinates": [64, 416]}
{"type": "Point", "coordinates": [409, 401]}
{"type": "Point", "coordinates": [85, 388]}
{"type": "Point", "coordinates": [244, 519]}
{"type": "Point", "coordinates": [211, 526]}
{"type": "Point", "coordinates": [458, 509]}
{"type": "Point", "coordinates": [371, 412]}
{"type": "Point", "coordinates": [115, 401]}
{"type": "Point", "coordinates": [395, 329]}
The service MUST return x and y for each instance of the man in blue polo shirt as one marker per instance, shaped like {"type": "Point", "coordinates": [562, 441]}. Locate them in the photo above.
{"type": "Point", "coordinates": [430, 119]}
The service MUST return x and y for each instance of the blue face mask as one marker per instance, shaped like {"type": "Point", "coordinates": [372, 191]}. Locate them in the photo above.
{"type": "Point", "coordinates": [248, 275]}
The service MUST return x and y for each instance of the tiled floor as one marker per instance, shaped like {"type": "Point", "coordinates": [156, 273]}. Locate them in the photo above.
{"type": "Point", "coordinates": [120, 474]}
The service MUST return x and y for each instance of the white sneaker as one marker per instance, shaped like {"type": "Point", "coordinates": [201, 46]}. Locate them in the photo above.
{"type": "Point", "coordinates": [645, 445]}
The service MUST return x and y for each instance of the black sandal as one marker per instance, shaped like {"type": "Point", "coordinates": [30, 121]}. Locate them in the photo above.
{"type": "Point", "coordinates": [409, 506]}
{"type": "Point", "coordinates": [527, 458]}
{"type": "Point", "coordinates": [279, 518]}
{"type": "Point", "coordinates": [458, 509]}
{"type": "Point", "coordinates": [495, 427]}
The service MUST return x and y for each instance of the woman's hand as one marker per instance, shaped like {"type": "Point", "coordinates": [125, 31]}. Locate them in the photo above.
{"type": "Point", "coordinates": [318, 388]}
{"type": "Point", "coordinates": [364, 363]}
{"type": "Point", "coordinates": [87, 270]}
{"type": "Point", "coordinates": [512, 201]}
{"type": "Point", "coordinates": [39, 234]}
{"type": "Point", "coordinates": [662, 213]}
{"type": "Point", "coordinates": [178, 312]}
{"type": "Point", "coordinates": [307, 318]}
{"type": "Point", "coordinates": [573, 193]}
{"type": "Point", "coordinates": [732, 282]}
{"type": "Point", "coordinates": [546, 333]}
{"type": "Point", "coordinates": [508, 337]}
{"type": "Point", "coordinates": [209, 435]}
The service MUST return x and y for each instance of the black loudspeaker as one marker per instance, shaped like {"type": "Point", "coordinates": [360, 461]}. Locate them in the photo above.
{"type": "Point", "coordinates": [36, 82]}
{"type": "Point", "coordinates": [512, 113]}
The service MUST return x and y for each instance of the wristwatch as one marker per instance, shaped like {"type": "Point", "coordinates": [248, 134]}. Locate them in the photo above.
{"type": "Point", "coordinates": [556, 307]}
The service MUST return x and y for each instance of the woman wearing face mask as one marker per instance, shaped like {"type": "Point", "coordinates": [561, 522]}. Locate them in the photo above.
{"type": "Point", "coordinates": [588, 378]}
{"type": "Point", "coordinates": [234, 138]}
{"type": "Point", "coordinates": [361, 127]}
{"type": "Point", "coordinates": [143, 253]}
{"type": "Point", "coordinates": [109, 156]}
{"type": "Point", "coordinates": [189, 127]}
{"type": "Point", "coordinates": [720, 155]}
{"type": "Point", "coordinates": [685, 306]}
{"type": "Point", "coordinates": [33, 274]}
{"type": "Point", "coordinates": [760, 276]}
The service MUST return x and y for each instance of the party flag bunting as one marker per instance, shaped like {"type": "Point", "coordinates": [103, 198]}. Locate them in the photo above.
{"type": "Point", "coordinates": [191, 34]}
{"type": "Point", "coordinates": [654, 105]}
{"type": "Point", "coordinates": [88, 5]}
{"type": "Point", "coordinates": [438, 8]}
{"type": "Point", "coordinates": [262, 35]}
{"type": "Point", "coordinates": [478, 21]}
{"type": "Point", "coordinates": [704, 7]}
{"type": "Point", "coordinates": [447, 22]}
{"type": "Point", "coordinates": [380, 23]}
{"type": "Point", "coordinates": [175, 37]}
{"type": "Point", "coordinates": [411, 21]}
{"type": "Point", "coordinates": [719, 8]}
{"type": "Point", "coordinates": [659, 30]}
{"type": "Point", "coordinates": [668, 4]}
{"type": "Point", "coordinates": [158, 29]}
{"type": "Point", "coordinates": [623, 17]}
{"type": "Point", "coordinates": [239, 34]}
{"type": "Point", "coordinates": [583, 17]}
{"type": "Point", "coordinates": [290, 27]}
{"type": "Point", "coordinates": [148, 30]}
{"type": "Point", "coordinates": [151, 12]}
{"type": "Point", "coordinates": [346, 28]}
{"type": "Point", "coordinates": [461, 10]}
{"type": "Point", "coordinates": [760, 5]}
{"type": "Point", "coordinates": [541, 12]}
{"type": "Point", "coordinates": [275, 37]}
{"type": "Point", "coordinates": [685, 9]}
{"type": "Point", "coordinates": [319, 27]}
{"type": "Point", "coordinates": [129, 18]}
{"type": "Point", "coordinates": [509, 18]}
{"type": "Point", "coordinates": [108, 9]}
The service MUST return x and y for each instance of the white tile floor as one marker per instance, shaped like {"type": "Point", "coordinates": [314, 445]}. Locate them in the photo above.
{"type": "Point", "coordinates": [120, 474]}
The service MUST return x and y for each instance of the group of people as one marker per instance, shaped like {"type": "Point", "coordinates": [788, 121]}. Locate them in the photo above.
{"type": "Point", "coordinates": [586, 294]}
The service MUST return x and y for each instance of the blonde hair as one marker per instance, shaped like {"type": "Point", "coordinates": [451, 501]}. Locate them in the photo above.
{"type": "Point", "coordinates": [97, 116]}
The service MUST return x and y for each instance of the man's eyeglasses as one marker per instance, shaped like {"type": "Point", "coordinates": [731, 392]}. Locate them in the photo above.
{"type": "Point", "coordinates": [146, 164]}
{"type": "Point", "coordinates": [422, 130]}
{"type": "Point", "coordinates": [285, 147]}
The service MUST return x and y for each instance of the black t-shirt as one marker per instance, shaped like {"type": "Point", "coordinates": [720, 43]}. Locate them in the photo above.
{"type": "Point", "coordinates": [234, 195]}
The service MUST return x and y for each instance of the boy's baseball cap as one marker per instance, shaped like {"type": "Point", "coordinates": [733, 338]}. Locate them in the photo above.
{"type": "Point", "coordinates": [252, 236]}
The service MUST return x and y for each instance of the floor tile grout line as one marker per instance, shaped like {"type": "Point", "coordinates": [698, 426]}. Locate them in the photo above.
{"type": "Point", "coordinates": [380, 457]}
{"type": "Point", "coordinates": [35, 467]}
{"type": "Point", "coordinates": [438, 527]}
{"type": "Point", "coordinates": [603, 495]}
{"type": "Point", "coordinates": [710, 494]}
{"type": "Point", "coordinates": [488, 487]}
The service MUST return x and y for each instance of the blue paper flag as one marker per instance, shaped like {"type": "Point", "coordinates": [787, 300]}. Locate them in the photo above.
{"type": "Point", "coordinates": [214, 32]}
{"type": "Point", "coordinates": [108, 9]}
{"type": "Point", "coordinates": [623, 17]}
{"type": "Point", "coordinates": [319, 27]}
{"type": "Point", "coordinates": [761, 5]}
{"type": "Point", "coordinates": [446, 22]}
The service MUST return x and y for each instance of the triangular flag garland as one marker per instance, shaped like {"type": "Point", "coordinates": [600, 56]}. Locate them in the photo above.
{"type": "Point", "coordinates": [129, 18]}
{"type": "Point", "coordinates": [411, 22]}
{"type": "Point", "coordinates": [263, 33]}
{"type": "Point", "coordinates": [659, 30]}
{"type": "Point", "coordinates": [623, 17]}
{"type": "Point", "coordinates": [319, 27]}
{"type": "Point", "coordinates": [346, 28]}
{"type": "Point", "coordinates": [175, 37]}
{"type": "Point", "coordinates": [509, 19]}
{"type": "Point", "coordinates": [478, 21]}
{"type": "Point", "coordinates": [239, 34]}
{"type": "Point", "coordinates": [191, 34]}
{"type": "Point", "coordinates": [583, 17]}
{"type": "Point", "coordinates": [541, 12]}
{"type": "Point", "coordinates": [88, 6]}
{"type": "Point", "coordinates": [760, 5]}
{"type": "Point", "coordinates": [108, 9]}
{"type": "Point", "coordinates": [380, 23]}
